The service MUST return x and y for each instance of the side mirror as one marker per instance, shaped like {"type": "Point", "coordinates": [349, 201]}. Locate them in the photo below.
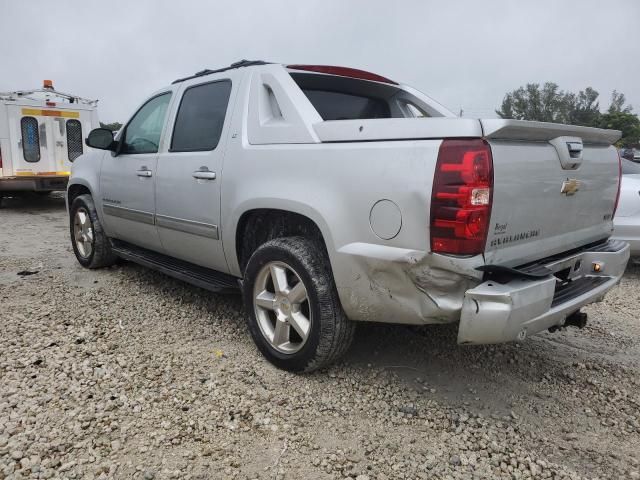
{"type": "Point", "coordinates": [101, 138]}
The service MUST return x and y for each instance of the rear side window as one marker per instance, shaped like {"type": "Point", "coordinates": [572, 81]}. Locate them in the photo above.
{"type": "Point", "coordinates": [200, 117]}
{"type": "Point", "coordinates": [74, 139]}
{"type": "Point", "coordinates": [30, 139]}
{"type": "Point", "coordinates": [414, 111]}
{"type": "Point", "coordinates": [345, 106]}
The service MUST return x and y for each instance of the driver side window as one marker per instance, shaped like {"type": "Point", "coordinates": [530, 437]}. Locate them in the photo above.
{"type": "Point", "coordinates": [143, 131]}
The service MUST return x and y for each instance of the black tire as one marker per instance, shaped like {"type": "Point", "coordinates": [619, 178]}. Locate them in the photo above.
{"type": "Point", "coordinates": [101, 254]}
{"type": "Point", "coordinates": [330, 332]}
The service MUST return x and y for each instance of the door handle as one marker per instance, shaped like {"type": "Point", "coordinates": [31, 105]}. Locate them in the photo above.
{"type": "Point", "coordinates": [204, 174]}
{"type": "Point", "coordinates": [144, 172]}
{"type": "Point", "coordinates": [575, 149]}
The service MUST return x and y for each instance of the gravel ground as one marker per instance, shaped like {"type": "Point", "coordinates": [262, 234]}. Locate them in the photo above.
{"type": "Point", "coordinates": [126, 373]}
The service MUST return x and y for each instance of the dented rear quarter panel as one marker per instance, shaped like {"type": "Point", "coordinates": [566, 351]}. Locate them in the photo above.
{"type": "Point", "coordinates": [334, 187]}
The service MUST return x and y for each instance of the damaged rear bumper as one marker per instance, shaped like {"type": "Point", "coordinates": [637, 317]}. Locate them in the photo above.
{"type": "Point", "coordinates": [513, 309]}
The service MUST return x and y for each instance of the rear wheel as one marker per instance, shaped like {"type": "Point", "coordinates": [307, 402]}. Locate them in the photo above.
{"type": "Point", "coordinates": [90, 244]}
{"type": "Point", "coordinates": [293, 311]}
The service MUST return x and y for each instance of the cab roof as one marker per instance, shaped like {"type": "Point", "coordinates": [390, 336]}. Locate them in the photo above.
{"type": "Point", "coordinates": [323, 69]}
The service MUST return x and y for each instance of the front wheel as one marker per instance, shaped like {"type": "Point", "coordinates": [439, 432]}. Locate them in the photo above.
{"type": "Point", "coordinates": [293, 310]}
{"type": "Point", "coordinates": [90, 243]}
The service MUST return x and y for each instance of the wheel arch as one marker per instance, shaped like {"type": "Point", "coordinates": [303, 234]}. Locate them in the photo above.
{"type": "Point", "coordinates": [76, 189]}
{"type": "Point", "coordinates": [256, 225]}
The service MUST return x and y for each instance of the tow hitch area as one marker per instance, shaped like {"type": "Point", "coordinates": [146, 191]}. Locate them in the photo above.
{"type": "Point", "coordinates": [576, 319]}
{"type": "Point", "coordinates": [511, 306]}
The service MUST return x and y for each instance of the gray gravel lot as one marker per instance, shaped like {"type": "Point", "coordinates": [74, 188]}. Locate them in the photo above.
{"type": "Point", "coordinates": [126, 373]}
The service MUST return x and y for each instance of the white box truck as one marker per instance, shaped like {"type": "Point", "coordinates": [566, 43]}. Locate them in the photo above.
{"type": "Point", "coordinates": [41, 132]}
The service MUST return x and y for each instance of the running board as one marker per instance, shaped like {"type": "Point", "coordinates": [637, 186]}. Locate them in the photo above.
{"type": "Point", "coordinates": [202, 277]}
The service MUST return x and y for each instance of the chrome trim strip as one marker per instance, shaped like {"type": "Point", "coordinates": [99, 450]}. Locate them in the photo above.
{"type": "Point", "coordinates": [188, 226]}
{"type": "Point", "coordinates": [128, 214]}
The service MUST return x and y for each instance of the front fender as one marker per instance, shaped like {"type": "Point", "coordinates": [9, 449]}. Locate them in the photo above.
{"type": "Point", "coordinates": [85, 171]}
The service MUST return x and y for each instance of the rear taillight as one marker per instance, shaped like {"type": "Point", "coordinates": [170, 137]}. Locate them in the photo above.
{"type": "Point", "coordinates": [0, 157]}
{"type": "Point", "coordinates": [461, 197]}
{"type": "Point", "coordinates": [615, 205]}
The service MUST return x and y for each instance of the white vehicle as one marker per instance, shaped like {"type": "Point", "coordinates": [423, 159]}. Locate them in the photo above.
{"type": "Point", "coordinates": [627, 219]}
{"type": "Point", "coordinates": [41, 132]}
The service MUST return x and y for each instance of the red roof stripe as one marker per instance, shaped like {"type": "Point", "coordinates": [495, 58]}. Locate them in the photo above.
{"type": "Point", "coordinates": [343, 72]}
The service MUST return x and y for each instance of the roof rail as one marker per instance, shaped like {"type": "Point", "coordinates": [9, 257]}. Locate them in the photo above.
{"type": "Point", "coordinates": [206, 71]}
{"type": "Point", "coordinates": [48, 92]}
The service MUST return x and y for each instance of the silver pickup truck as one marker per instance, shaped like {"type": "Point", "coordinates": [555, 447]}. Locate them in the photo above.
{"type": "Point", "coordinates": [331, 195]}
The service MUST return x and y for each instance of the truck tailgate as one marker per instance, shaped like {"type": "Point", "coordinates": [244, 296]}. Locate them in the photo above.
{"type": "Point", "coordinates": [555, 188]}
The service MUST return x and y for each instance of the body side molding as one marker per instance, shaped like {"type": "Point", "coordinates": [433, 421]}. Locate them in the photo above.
{"type": "Point", "coordinates": [128, 213]}
{"type": "Point", "coordinates": [188, 226]}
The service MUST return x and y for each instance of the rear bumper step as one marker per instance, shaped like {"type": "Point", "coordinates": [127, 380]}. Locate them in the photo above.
{"type": "Point", "coordinates": [507, 309]}
{"type": "Point", "coordinates": [194, 274]}
{"type": "Point", "coordinates": [570, 290]}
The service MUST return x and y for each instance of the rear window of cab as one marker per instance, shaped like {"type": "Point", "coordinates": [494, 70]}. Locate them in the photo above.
{"type": "Point", "coordinates": [343, 98]}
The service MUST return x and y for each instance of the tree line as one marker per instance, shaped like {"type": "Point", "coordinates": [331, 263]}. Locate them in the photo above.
{"type": "Point", "coordinates": [547, 103]}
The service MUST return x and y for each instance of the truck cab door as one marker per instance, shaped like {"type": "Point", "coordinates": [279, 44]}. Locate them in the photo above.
{"type": "Point", "coordinates": [127, 177]}
{"type": "Point", "coordinates": [189, 174]}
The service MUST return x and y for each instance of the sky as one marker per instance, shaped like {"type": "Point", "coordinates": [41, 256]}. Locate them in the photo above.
{"type": "Point", "coordinates": [465, 54]}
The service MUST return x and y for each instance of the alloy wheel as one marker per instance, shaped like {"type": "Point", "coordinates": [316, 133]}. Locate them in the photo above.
{"type": "Point", "coordinates": [282, 308]}
{"type": "Point", "coordinates": [83, 232]}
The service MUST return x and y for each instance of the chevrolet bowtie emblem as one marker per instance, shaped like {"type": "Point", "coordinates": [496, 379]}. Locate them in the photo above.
{"type": "Point", "coordinates": [570, 186]}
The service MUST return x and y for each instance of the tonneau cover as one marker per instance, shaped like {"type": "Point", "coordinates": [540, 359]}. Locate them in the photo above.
{"type": "Point", "coordinates": [396, 129]}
